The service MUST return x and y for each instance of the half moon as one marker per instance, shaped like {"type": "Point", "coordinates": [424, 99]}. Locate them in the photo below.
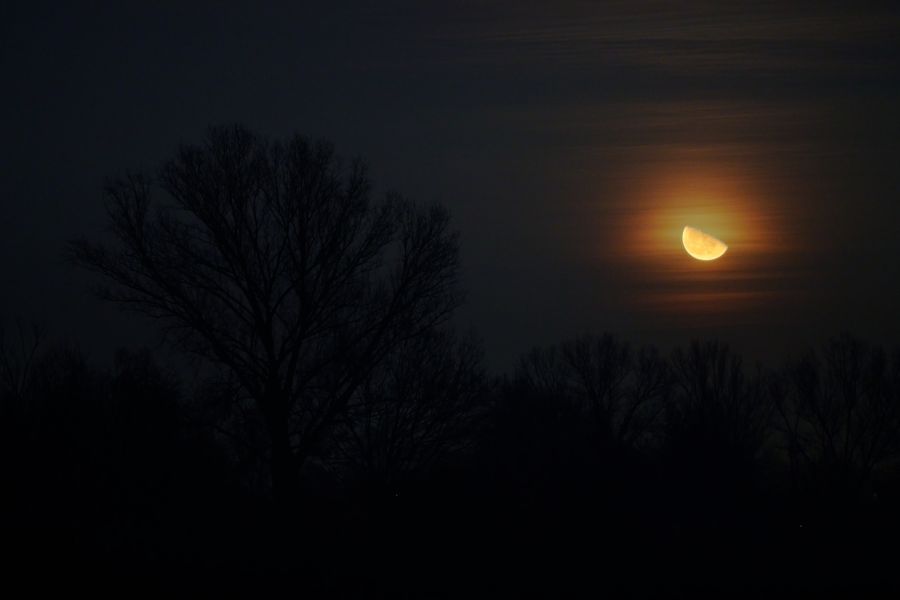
{"type": "Point", "coordinates": [702, 246]}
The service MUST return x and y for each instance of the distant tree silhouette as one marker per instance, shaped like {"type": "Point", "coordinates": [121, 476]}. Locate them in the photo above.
{"type": "Point", "coordinates": [839, 411]}
{"type": "Point", "coordinates": [18, 354]}
{"type": "Point", "coordinates": [272, 260]}
{"type": "Point", "coordinates": [717, 423]}
{"type": "Point", "coordinates": [413, 411]}
{"type": "Point", "coordinates": [567, 434]}
{"type": "Point", "coordinates": [98, 467]}
{"type": "Point", "coordinates": [623, 392]}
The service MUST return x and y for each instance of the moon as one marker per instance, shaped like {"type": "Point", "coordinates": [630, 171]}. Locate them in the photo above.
{"type": "Point", "coordinates": [702, 246]}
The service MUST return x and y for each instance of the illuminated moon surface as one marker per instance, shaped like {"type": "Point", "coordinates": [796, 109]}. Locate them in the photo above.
{"type": "Point", "coordinates": [702, 246]}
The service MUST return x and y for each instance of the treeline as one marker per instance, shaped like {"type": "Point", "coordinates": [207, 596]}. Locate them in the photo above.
{"type": "Point", "coordinates": [592, 463]}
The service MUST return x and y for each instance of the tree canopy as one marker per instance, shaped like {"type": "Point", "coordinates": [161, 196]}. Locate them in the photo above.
{"type": "Point", "coordinates": [273, 260]}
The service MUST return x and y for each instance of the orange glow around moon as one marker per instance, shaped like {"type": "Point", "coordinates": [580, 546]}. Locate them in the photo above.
{"type": "Point", "coordinates": [726, 207]}
{"type": "Point", "coordinates": [702, 246]}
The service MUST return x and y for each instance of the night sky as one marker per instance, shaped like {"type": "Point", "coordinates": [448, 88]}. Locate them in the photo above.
{"type": "Point", "coordinates": [571, 141]}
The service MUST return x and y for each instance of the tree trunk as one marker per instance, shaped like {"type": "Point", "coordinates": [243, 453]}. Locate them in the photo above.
{"type": "Point", "coordinates": [282, 462]}
{"type": "Point", "coordinates": [284, 475]}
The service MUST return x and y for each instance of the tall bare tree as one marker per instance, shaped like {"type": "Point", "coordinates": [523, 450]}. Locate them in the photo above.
{"type": "Point", "coordinates": [839, 412]}
{"type": "Point", "coordinates": [272, 260]}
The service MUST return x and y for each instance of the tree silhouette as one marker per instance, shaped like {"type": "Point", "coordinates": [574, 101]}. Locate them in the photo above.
{"type": "Point", "coordinates": [17, 361]}
{"type": "Point", "coordinates": [413, 411]}
{"type": "Point", "coordinates": [272, 260]}
{"type": "Point", "coordinates": [715, 394]}
{"type": "Point", "coordinates": [839, 411]}
{"type": "Point", "coordinates": [717, 423]}
{"type": "Point", "coordinates": [567, 433]}
{"type": "Point", "coordinates": [623, 392]}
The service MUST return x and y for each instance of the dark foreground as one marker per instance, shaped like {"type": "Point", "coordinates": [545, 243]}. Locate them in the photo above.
{"type": "Point", "coordinates": [119, 481]}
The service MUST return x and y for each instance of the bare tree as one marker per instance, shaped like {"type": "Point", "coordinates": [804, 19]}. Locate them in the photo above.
{"type": "Point", "coordinates": [716, 429]}
{"type": "Point", "coordinates": [17, 360]}
{"type": "Point", "coordinates": [621, 390]}
{"type": "Point", "coordinates": [717, 402]}
{"type": "Point", "coordinates": [272, 260]}
{"type": "Point", "coordinates": [413, 411]}
{"type": "Point", "coordinates": [839, 411]}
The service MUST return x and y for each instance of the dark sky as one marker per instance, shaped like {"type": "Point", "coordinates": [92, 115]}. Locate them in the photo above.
{"type": "Point", "coordinates": [571, 141]}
